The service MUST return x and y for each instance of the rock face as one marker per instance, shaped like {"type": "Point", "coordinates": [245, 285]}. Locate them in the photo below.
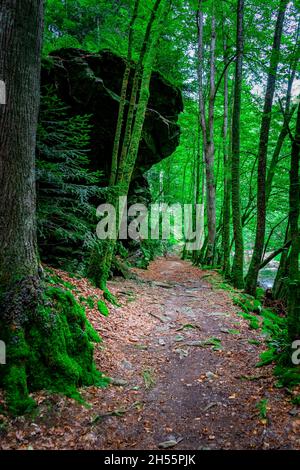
{"type": "Point", "coordinates": [91, 84]}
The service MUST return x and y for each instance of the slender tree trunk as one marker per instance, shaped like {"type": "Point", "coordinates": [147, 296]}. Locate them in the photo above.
{"type": "Point", "coordinates": [210, 152]}
{"type": "Point", "coordinates": [101, 262]}
{"type": "Point", "coordinates": [288, 114]}
{"type": "Point", "coordinates": [279, 290]}
{"type": "Point", "coordinates": [294, 274]}
{"type": "Point", "coordinates": [251, 278]}
{"type": "Point", "coordinates": [227, 178]}
{"type": "Point", "coordinates": [120, 121]}
{"type": "Point", "coordinates": [135, 88]}
{"type": "Point", "coordinates": [237, 273]}
{"type": "Point", "coordinates": [276, 154]}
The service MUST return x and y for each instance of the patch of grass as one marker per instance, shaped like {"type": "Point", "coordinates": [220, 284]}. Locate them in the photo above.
{"type": "Point", "coordinates": [234, 332]}
{"type": "Point", "coordinates": [296, 400]}
{"type": "Point", "coordinates": [213, 341]}
{"type": "Point", "coordinates": [254, 322]}
{"type": "Point", "coordinates": [187, 326]}
{"type": "Point", "coordinates": [254, 341]}
{"type": "Point", "coordinates": [247, 303]}
{"type": "Point", "coordinates": [149, 378]}
{"type": "Point", "coordinates": [260, 294]}
{"type": "Point", "coordinates": [262, 407]}
{"type": "Point", "coordinates": [225, 286]}
{"type": "Point", "coordinates": [141, 347]}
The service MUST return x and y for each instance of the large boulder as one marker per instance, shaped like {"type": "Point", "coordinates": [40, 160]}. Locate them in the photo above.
{"type": "Point", "coordinates": [91, 84]}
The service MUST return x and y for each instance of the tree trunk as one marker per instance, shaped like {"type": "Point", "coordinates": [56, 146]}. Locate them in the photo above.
{"type": "Point", "coordinates": [227, 176]}
{"type": "Point", "coordinates": [294, 275]}
{"type": "Point", "coordinates": [135, 89]}
{"type": "Point", "coordinates": [279, 289]}
{"type": "Point", "coordinates": [20, 69]}
{"type": "Point", "coordinates": [288, 114]}
{"type": "Point", "coordinates": [237, 273]}
{"type": "Point", "coordinates": [120, 121]}
{"type": "Point", "coordinates": [208, 131]}
{"type": "Point", "coordinates": [251, 278]}
{"type": "Point", "coordinates": [102, 255]}
{"type": "Point", "coordinates": [47, 336]}
{"type": "Point", "coordinates": [210, 153]}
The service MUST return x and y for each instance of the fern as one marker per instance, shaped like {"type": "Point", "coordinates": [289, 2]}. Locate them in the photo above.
{"type": "Point", "coordinates": [66, 186]}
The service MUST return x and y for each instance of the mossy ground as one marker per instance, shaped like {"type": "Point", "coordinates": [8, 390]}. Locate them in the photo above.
{"type": "Point", "coordinates": [53, 350]}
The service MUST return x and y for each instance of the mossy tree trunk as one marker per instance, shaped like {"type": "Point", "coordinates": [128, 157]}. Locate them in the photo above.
{"type": "Point", "coordinates": [132, 130]}
{"type": "Point", "coordinates": [20, 47]}
{"type": "Point", "coordinates": [287, 117]}
{"type": "Point", "coordinates": [210, 152]}
{"type": "Point", "coordinates": [237, 273]}
{"type": "Point", "coordinates": [46, 332]}
{"type": "Point", "coordinates": [226, 163]}
{"type": "Point", "coordinates": [252, 275]}
{"type": "Point", "coordinates": [123, 97]}
{"type": "Point", "coordinates": [207, 127]}
{"type": "Point", "coordinates": [294, 274]}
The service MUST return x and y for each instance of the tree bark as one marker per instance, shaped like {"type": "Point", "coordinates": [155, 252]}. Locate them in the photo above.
{"type": "Point", "coordinates": [210, 152]}
{"type": "Point", "coordinates": [102, 256]}
{"type": "Point", "coordinates": [123, 96]}
{"type": "Point", "coordinates": [208, 129]}
{"type": "Point", "coordinates": [20, 48]}
{"type": "Point", "coordinates": [237, 273]}
{"type": "Point", "coordinates": [294, 274]}
{"type": "Point", "coordinates": [288, 114]}
{"type": "Point", "coordinates": [227, 175]}
{"type": "Point", "coordinates": [252, 275]}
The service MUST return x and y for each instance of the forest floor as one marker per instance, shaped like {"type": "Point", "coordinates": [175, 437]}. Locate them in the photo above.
{"type": "Point", "coordinates": [183, 367]}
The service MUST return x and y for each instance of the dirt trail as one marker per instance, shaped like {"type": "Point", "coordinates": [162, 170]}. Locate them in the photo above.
{"type": "Point", "coordinates": [181, 361]}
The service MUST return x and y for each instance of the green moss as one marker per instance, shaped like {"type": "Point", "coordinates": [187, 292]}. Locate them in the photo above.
{"type": "Point", "coordinates": [260, 294]}
{"type": "Point", "coordinates": [110, 297]}
{"type": "Point", "coordinates": [102, 307]}
{"type": "Point", "coordinates": [89, 301]}
{"type": "Point", "coordinates": [52, 351]}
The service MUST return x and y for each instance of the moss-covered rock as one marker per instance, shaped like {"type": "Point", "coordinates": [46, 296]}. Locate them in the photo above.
{"type": "Point", "coordinates": [103, 309]}
{"type": "Point", "coordinates": [53, 350]}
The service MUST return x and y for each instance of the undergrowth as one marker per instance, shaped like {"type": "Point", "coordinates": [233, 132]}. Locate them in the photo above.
{"type": "Point", "coordinates": [275, 330]}
{"type": "Point", "coordinates": [52, 350]}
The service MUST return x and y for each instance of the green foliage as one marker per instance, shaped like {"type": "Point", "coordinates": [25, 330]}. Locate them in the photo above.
{"type": "Point", "coordinates": [254, 322]}
{"type": "Point", "coordinates": [262, 407]}
{"type": "Point", "coordinates": [248, 303]}
{"type": "Point", "coordinates": [233, 332]}
{"type": "Point", "coordinates": [214, 342]}
{"type": "Point", "coordinates": [89, 301]}
{"type": "Point", "coordinates": [65, 185]}
{"type": "Point", "coordinates": [254, 341]}
{"type": "Point", "coordinates": [279, 350]}
{"type": "Point", "coordinates": [260, 294]}
{"type": "Point", "coordinates": [149, 378]}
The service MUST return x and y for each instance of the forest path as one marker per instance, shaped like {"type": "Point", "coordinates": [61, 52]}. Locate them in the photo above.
{"type": "Point", "coordinates": [181, 361]}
